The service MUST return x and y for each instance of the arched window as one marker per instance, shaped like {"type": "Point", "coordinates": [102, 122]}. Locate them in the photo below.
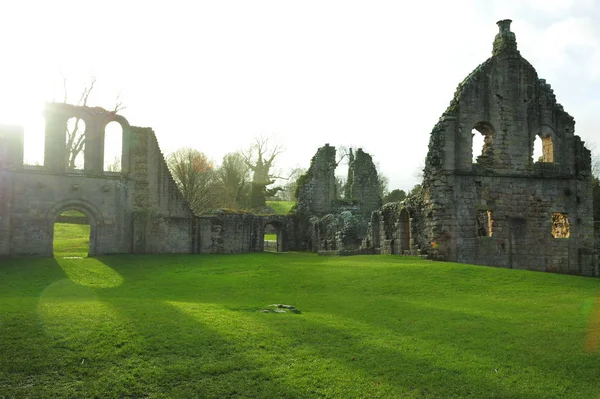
{"type": "Point", "coordinates": [75, 143]}
{"type": "Point", "coordinates": [547, 149]}
{"type": "Point", "coordinates": [537, 155]}
{"type": "Point", "coordinates": [482, 133]}
{"type": "Point", "coordinates": [113, 147]}
{"type": "Point", "coordinates": [543, 147]}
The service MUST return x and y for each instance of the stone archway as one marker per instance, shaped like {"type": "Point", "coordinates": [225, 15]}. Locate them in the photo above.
{"type": "Point", "coordinates": [278, 244]}
{"type": "Point", "coordinates": [94, 218]}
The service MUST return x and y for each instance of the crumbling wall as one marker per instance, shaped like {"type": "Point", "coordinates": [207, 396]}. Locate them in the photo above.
{"type": "Point", "coordinates": [33, 197]}
{"type": "Point", "coordinates": [163, 222]}
{"type": "Point", "coordinates": [363, 182]}
{"type": "Point", "coordinates": [511, 195]}
{"type": "Point", "coordinates": [316, 192]}
{"type": "Point", "coordinates": [326, 223]}
{"type": "Point", "coordinates": [139, 210]}
{"type": "Point", "coordinates": [226, 232]}
{"type": "Point", "coordinates": [394, 229]}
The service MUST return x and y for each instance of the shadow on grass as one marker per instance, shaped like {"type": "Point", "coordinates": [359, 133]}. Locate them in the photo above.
{"type": "Point", "coordinates": [415, 350]}
{"type": "Point", "coordinates": [181, 356]}
{"type": "Point", "coordinates": [452, 352]}
{"type": "Point", "coordinates": [27, 353]}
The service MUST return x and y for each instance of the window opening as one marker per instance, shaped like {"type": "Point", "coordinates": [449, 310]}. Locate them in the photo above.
{"type": "Point", "coordinates": [537, 150]}
{"type": "Point", "coordinates": [271, 238]}
{"type": "Point", "coordinates": [482, 134]}
{"type": "Point", "coordinates": [71, 234]}
{"type": "Point", "coordinates": [547, 149]}
{"type": "Point", "coordinates": [560, 225]}
{"type": "Point", "coordinates": [478, 142]}
{"type": "Point", "coordinates": [113, 147]}
{"type": "Point", "coordinates": [543, 149]}
{"type": "Point", "coordinates": [75, 144]}
{"type": "Point", "coordinates": [485, 223]}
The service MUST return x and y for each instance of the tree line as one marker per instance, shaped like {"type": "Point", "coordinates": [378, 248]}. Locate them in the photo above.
{"type": "Point", "coordinates": [245, 179]}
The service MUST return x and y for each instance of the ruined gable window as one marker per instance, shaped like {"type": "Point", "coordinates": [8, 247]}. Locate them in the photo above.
{"type": "Point", "coordinates": [484, 223]}
{"type": "Point", "coordinates": [113, 147]}
{"type": "Point", "coordinates": [543, 149]}
{"type": "Point", "coordinates": [560, 225]}
{"type": "Point", "coordinates": [482, 139]}
{"type": "Point", "coordinates": [75, 143]}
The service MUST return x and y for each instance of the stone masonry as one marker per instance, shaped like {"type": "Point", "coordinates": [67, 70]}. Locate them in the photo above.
{"type": "Point", "coordinates": [136, 210]}
{"type": "Point", "coordinates": [499, 208]}
{"type": "Point", "coordinates": [506, 209]}
{"type": "Point", "coordinates": [326, 223]}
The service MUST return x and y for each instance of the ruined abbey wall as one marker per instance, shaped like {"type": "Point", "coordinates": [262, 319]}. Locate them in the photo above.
{"type": "Point", "coordinates": [505, 208]}
{"type": "Point", "coordinates": [162, 220]}
{"type": "Point", "coordinates": [136, 210]}
{"type": "Point", "coordinates": [326, 222]}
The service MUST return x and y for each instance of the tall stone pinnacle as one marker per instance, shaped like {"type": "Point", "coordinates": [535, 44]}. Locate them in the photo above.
{"type": "Point", "coordinates": [505, 40]}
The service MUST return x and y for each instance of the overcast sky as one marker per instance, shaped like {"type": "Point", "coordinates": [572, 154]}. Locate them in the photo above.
{"type": "Point", "coordinates": [213, 75]}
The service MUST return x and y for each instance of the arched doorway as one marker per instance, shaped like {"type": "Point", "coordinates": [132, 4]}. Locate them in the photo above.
{"type": "Point", "coordinates": [273, 237]}
{"type": "Point", "coordinates": [77, 221]}
{"type": "Point", "coordinates": [71, 234]}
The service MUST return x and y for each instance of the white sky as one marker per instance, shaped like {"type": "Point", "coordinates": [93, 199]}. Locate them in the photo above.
{"type": "Point", "coordinates": [213, 75]}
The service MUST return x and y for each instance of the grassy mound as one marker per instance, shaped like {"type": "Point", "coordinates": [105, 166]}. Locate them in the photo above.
{"type": "Point", "coordinates": [173, 326]}
{"type": "Point", "coordinates": [281, 207]}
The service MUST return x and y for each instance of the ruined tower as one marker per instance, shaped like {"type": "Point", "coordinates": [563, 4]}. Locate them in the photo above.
{"type": "Point", "coordinates": [495, 204]}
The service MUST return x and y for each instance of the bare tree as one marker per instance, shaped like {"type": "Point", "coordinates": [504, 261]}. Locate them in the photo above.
{"type": "Point", "coordinates": [259, 158]}
{"type": "Point", "coordinates": [115, 165]}
{"type": "Point", "coordinates": [233, 178]}
{"type": "Point", "coordinates": [288, 192]}
{"type": "Point", "coordinates": [75, 130]}
{"type": "Point", "coordinates": [195, 177]}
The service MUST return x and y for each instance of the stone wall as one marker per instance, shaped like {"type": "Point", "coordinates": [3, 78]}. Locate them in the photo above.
{"type": "Point", "coordinates": [316, 192]}
{"type": "Point", "coordinates": [162, 220]}
{"type": "Point", "coordinates": [499, 209]}
{"type": "Point", "coordinates": [364, 182]}
{"type": "Point", "coordinates": [326, 223]}
{"type": "Point", "coordinates": [226, 233]}
{"type": "Point", "coordinates": [138, 210]}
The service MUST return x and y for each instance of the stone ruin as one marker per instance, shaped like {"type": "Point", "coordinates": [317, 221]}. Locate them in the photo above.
{"type": "Point", "coordinates": [136, 210]}
{"type": "Point", "coordinates": [500, 208]}
{"type": "Point", "coordinates": [140, 210]}
{"type": "Point", "coordinates": [330, 225]}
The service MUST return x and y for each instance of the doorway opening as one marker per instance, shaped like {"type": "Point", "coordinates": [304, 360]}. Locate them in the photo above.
{"type": "Point", "coordinates": [72, 232]}
{"type": "Point", "coordinates": [273, 241]}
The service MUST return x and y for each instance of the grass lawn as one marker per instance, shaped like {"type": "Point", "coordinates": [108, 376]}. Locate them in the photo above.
{"type": "Point", "coordinates": [281, 207]}
{"type": "Point", "coordinates": [188, 326]}
{"type": "Point", "coordinates": [71, 239]}
{"type": "Point", "coordinates": [270, 237]}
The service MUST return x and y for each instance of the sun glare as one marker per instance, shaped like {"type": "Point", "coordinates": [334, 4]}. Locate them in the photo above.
{"type": "Point", "coordinates": [28, 115]}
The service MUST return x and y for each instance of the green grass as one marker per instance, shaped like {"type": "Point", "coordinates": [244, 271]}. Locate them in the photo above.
{"type": "Point", "coordinates": [281, 207]}
{"type": "Point", "coordinates": [270, 237]}
{"type": "Point", "coordinates": [71, 239]}
{"type": "Point", "coordinates": [177, 326]}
